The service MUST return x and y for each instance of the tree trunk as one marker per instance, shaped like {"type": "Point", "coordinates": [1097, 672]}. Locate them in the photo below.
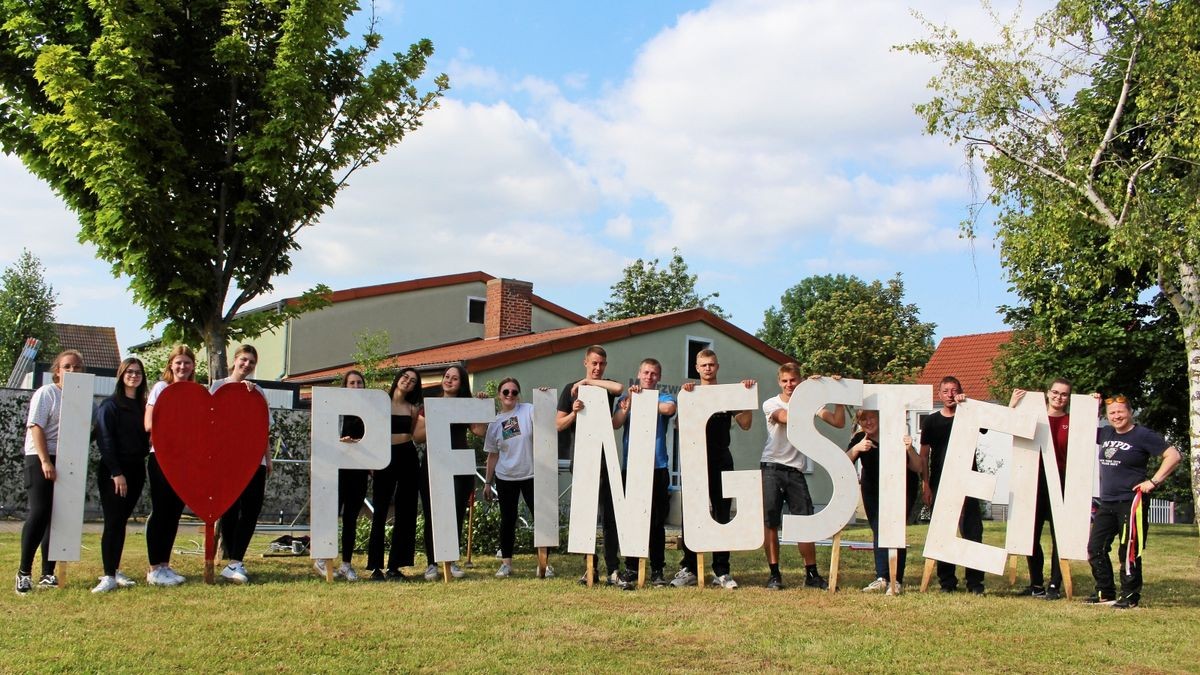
{"type": "Point", "coordinates": [214, 346]}
{"type": "Point", "coordinates": [1191, 342]}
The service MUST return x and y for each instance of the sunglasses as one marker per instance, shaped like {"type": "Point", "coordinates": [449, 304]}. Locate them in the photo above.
{"type": "Point", "coordinates": [1120, 398]}
{"type": "Point", "coordinates": [509, 392]}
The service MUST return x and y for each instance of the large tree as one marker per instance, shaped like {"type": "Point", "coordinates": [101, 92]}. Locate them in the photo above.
{"type": "Point", "coordinates": [27, 303]}
{"type": "Point", "coordinates": [843, 325]}
{"type": "Point", "coordinates": [1089, 122]}
{"type": "Point", "coordinates": [645, 289]}
{"type": "Point", "coordinates": [194, 140]}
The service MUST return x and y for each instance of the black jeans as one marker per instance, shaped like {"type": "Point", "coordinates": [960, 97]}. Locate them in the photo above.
{"type": "Point", "coordinates": [1037, 560]}
{"type": "Point", "coordinates": [720, 507]}
{"type": "Point", "coordinates": [660, 506]}
{"type": "Point", "coordinates": [238, 523]}
{"type": "Point", "coordinates": [117, 510]}
{"type": "Point", "coordinates": [509, 492]}
{"type": "Point", "coordinates": [1110, 522]}
{"type": "Point", "coordinates": [163, 523]}
{"type": "Point", "coordinates": [397, 482]}
{"type": "Point", "coordinates": [612, 541]}
{"type": "Point", "coordinates": [352, 488]}
{"type": "Point", "coordinates": [36, 530]}
{"type": "Point", "coordinates": [970, 525]}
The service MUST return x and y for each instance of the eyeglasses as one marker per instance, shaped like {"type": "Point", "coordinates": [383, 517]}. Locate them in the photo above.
{"type": "Point", "coordinates": [1059, 394]}
{"type": "Point", "coordinates": [509, 392]}
{"type": "Point", "coordinates": [1119, 398]}
{"type": "Point", "coordinates": [133, 372]}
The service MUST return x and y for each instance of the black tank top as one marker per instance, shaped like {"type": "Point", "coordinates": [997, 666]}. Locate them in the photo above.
{"type": "Point", "coordinates": [401, 424]}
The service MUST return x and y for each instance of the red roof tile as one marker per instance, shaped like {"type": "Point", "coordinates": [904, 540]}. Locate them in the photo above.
{"type": "Point", "coordinates": [967, 357]}
{"type": "Point", "coordinates": [487, 354]}
{"type": "Point", "coordinates": [98, 344]}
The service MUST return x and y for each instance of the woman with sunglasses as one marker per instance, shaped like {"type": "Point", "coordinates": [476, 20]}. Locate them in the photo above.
{"type": "Point", "coordinates": [398, 483]}
{"type": "Point", "coordinates": [123, 442]}
{"type": "Point", "coordinates": [509, 446]}
{"type": "Point", "coordinates": [1125, 451]}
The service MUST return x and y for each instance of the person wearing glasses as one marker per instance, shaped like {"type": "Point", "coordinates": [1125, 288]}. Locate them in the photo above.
{"type": "Point", "coordinates": [1058, 397]}
{"type": "Point", "coordinates": [124, 444]}
{"type": "Point", "coordinates": [509, 475]}
{"type": "Point", "coordinates": [1125, 452]}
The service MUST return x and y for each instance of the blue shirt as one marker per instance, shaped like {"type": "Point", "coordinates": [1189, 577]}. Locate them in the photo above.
{"type": "Point", "coordinates": [661, 460]}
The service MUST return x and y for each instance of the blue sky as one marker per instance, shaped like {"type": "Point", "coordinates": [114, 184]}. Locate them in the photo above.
{"type": "Point", "coordinates": [769, 140]}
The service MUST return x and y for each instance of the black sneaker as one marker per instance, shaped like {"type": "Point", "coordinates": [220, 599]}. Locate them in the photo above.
{"type": "Point", "coordinates": [627, 580]}
{"type": "Point", "coordinates": [775, 583]}
{"type": "Point", "coordinates": [1127, 602]}
{"type": "Point", "coordinates": [395, 575]}
{"type": "Point", "coordinates": [977, 590]}
{"type": "Point", "coordinates": [1033, 591]}
{"type": "Point", "coordinates": [816, 581]}
{"type": "Point", "coordinates": [949, 589]}
{"type": "Point", "coordinates": [657, 578]}
{"type": "Point", "coordinates": [24, 584]}
{"type": "Point", "coordinates": [378, 575]}
{"type": "Point", "coordinates": [48, 581]}
{"type": "Point", "coordinates": [1099, 598]}
{"type": "Point", "coordinates": [1052, 593]}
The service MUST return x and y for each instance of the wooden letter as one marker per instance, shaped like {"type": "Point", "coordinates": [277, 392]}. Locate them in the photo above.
{"type": "Point", "coordinates": [446, 462]}
{"type": "Point", "coordinates": [545, 469]}
{"type": "Point", "coordinates": [893, 401]}
{"type": "Point", "coordinates": [74, 427]}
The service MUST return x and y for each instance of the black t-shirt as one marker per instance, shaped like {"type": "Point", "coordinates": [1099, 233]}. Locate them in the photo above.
{"type": "Point", "coordinates": [352, 427]}
{"type": "Point", "coordinates": [935, 432]}
{"type": "Point", "coordinates": [566, 437]}
{"type": "Point", "coordinates": [869, 481]}
{"type": "Point", "coordinates": [1123, 459]}
{"type": "Point", "coordinates": [717, 434]}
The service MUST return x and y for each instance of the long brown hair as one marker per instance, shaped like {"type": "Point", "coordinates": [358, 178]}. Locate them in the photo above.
{"type": "Point", "coordinates": [178, 350]}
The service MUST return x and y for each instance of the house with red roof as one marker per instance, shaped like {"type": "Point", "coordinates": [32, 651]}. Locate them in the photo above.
{"type": "Point", "coordinates": [970, 358]}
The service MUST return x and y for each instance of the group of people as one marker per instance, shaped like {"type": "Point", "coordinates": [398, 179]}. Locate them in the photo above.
{"type": "Point", "coordinates": [124, 420]}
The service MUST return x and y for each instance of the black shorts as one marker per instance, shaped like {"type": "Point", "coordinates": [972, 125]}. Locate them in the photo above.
{"type": "Point", "coordinates": [783, 485]}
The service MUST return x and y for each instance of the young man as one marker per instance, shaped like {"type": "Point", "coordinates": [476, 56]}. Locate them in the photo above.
{"type": "Point", "coordinates": [935, 436]}
{"type": "Point", "coordinates": [717, 441]}
{"type": "Point", "coordinates": [649, 373]}
{"type": "Point", "coordinates": [1058, 397]}
{"type": "Point", "coordinates": [595, 361]}
{"type": "Point", "coordinates": [1125, 451]}
{"type": "Point", "coordinates": [783, 478]}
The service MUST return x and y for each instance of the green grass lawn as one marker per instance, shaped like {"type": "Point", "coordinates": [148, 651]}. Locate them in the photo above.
{"type": "Point", "coordinates": [289, 619]}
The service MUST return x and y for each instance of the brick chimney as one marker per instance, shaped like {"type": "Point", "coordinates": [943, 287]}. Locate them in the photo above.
{"type": "Point", "coordinates": [509, 310]}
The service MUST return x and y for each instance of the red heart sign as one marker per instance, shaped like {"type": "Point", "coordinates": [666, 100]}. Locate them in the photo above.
{"type": "Point", "coordinates": [209, 446]}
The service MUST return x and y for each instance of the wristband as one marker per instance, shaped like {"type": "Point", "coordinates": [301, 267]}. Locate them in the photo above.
{"type": "Point", "coordinates": [1153, 482]}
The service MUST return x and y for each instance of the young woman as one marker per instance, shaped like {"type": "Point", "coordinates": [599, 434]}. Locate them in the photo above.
{"type": "Point", "coordinates": [352, 488]}
{"type": "Point", "coordinates": [165, 504]}
{"type": "Point", "coordinates": [455, 384]}
{"type": "Point", "coordinates": [397, 482]}
{"type": "Point", "coordinates": [238, 523]}
{"type": "Point", "coordinates": [864, 447]}
{"type": "Point", "coordinates": [41, 448]}
{"type": "Point", "coordinates": [124, 444]}
{"type": "Point", "coordinates": [509, 444]}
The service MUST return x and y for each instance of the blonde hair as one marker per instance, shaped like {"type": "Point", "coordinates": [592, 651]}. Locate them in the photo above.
{"type": "Point", "coordinates": [58, 362]}
{"type": "Point", "coordinates": [177, 350]}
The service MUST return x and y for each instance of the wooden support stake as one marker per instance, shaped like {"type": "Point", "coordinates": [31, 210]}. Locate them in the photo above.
{"type": "Point", "coordinates": [470, 530]}
{"type": "Point", "coordinates": [543, 561]}
{"type": "Point", "coordinates": [1065, 566]}
{"type": "Point", "coordinates": [700, 570]}
{"type": "Point", "coordinates": [446, 572]}
{"type": "Point", "coordinates": [1012, 569]}
{"type": "Point", "coordinates": [210, 551]}
{"type": "Point", "coordinates": [590, 574]}
{"type": "Point", "coordinates": [641, 573]}
{"type": "Point", "coordinates": [930, 564]}
{"type": "Point", "coordinates": [835, 560]}
{"type": "Point", "coordinates": [60, 572]}
{"type": "Point", "coordinates": [329, 571]}
{"type": "Point", "coordinates": [893, 563]}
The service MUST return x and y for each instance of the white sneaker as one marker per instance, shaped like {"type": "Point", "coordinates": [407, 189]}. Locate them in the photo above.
{"type": "Point", "coordinates": [504, 571]}
{"type": "Point", "coordinates": [106, 584]}
{"type": "Point", "coordinates": [124, 581]}
{"type": "Point", "coordinates": [160, 576]}
{"type": "Point", "coordinates": [431, 573]}
{"type": "Point", "coordinates": [899, 589]}
{"type": "Point", "coordinates": [456, 571]}
{"type": "Point", "coordinates": [319, 566]}
{"type": "Point", "coordinates": [725, 581]}
{"type": "Point", "coordinates": [234, 572]}
{"type": "Point", "coordinates": [345, 571]}
{"type": "Point", "coordinates": [684, 577]}
{"type": "Point", "coordinates": [875, 586]}
{"type": "Point", "coordinates": [172, 576]}
{"type": "Point", "coordinates": [549, 572]}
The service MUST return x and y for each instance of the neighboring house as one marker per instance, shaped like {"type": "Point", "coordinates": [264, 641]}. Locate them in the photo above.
{"type": "Point", "coordinates": [510, 346]}
{"type": "Point", "coordinates": [98, 344]}
{"type": "Point", "coordinates": [416, 314]}
{"type": "Point", "coordinates": [971, 359]}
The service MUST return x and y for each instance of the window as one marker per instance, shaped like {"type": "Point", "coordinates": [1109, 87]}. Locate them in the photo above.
{"type": "Point", "coordinates": [476, 308]}
{"type": "Point", "coordinates": [695, 345]}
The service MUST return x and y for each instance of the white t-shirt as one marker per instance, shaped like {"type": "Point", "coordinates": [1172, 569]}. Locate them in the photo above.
{"type": "Point", "coordinates": [155, 392]}
{"type": "Point", "coordinates": [511, 435]}
{"type": "Point", "coordinates": [44, 410]}
{"type": "Point", "coordinates": [778, 449]}
{"type": "Point", "coordinates": [217, 384]}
